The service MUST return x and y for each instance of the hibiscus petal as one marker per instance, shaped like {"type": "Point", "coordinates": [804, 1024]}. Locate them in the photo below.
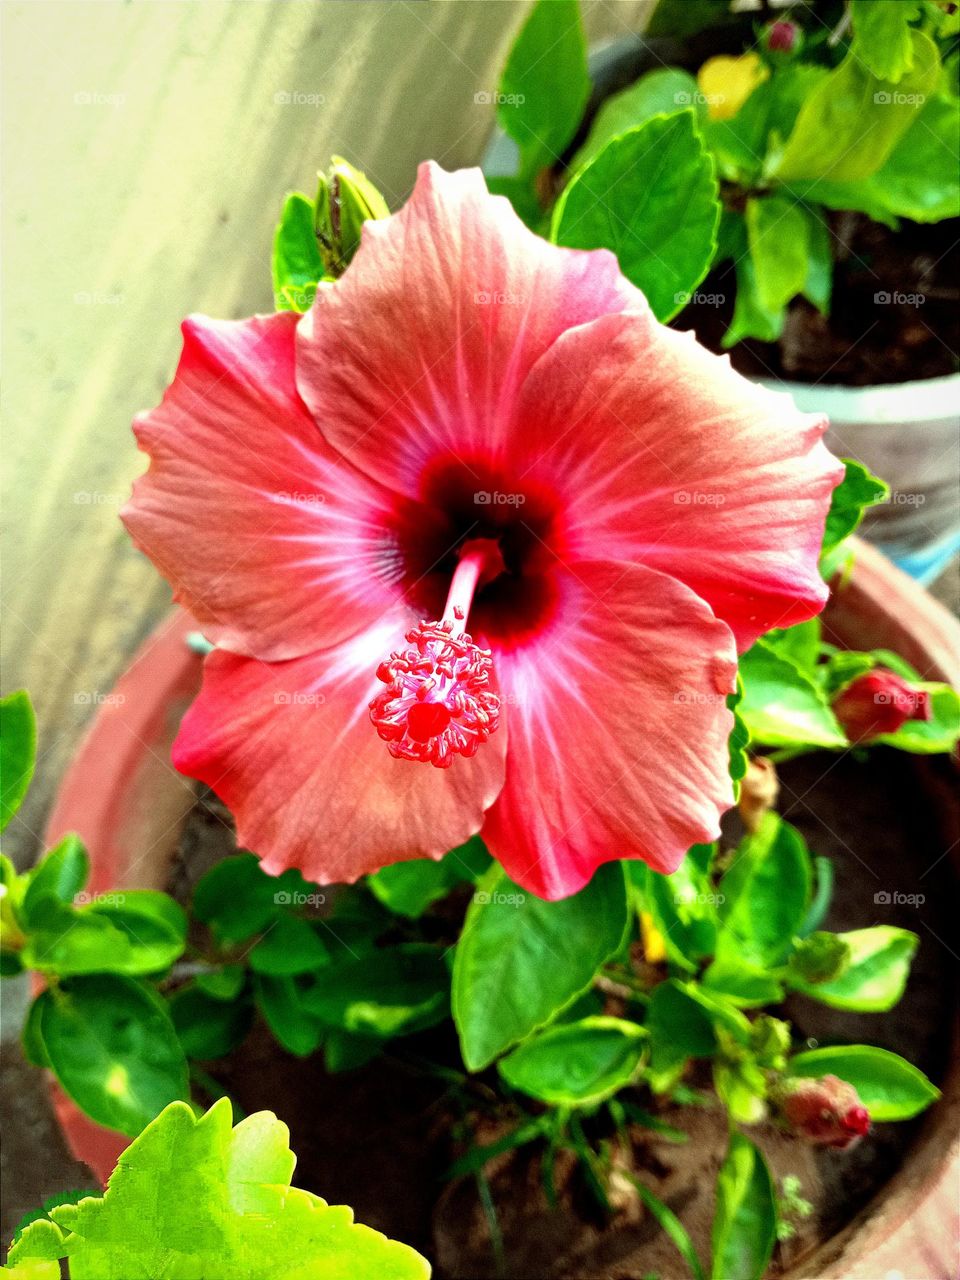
{"type": "Point", "coordinates": [290, 748]}
{"type": "Point", "coordinates": [618, 730]}
{"type": "Point", "coordinates": [444, 310]}
{"type": "Point", "coordinates": [276, 545]}
{"type": "Point", "coordinates": [666, 455]}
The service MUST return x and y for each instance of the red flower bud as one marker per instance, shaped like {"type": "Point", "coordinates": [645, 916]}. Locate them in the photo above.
{"type": "Point", "coordinates": [879, 702]}
{"type": "Point", "coordinates": [827, 1111]}
{"type": "Point", "coordinates": [782, 37]}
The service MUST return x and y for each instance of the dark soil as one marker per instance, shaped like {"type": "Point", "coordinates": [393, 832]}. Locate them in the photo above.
{"type": "Point", "coordinates": [380, 1138]}
{"type": "Point", "coordinates": [894, 316]}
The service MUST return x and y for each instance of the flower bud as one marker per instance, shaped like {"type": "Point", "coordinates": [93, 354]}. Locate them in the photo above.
{"type": "Point", "coordinates": [879, 702]}
{"type": "Point", "coordinates": [783, 37]}
{"type": "Point", "coordinates": [770, 1042]}
{"type": "Point", "coordinates": [346, 199]}
{"type": "Point", "coordinates": [827, 1112]}
{"type": "Point", "coordinates": [759, 790]}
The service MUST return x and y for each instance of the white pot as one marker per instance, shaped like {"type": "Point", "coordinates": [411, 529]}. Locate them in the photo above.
{"type": "Point", "coordinates": [907, 433]}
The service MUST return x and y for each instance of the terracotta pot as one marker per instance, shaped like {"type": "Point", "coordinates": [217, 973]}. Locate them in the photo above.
{"type": "Point", "coordinates": [127, 803]}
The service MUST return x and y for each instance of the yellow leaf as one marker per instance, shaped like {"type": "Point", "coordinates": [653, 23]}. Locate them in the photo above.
{"type": "Point", "coordinates": [726, 83]}
{"type": "Point", "coordinates": [653, 948]}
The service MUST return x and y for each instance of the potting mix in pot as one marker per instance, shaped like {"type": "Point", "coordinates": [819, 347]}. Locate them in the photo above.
{"type": "Point", "coordinates": [550, 872]}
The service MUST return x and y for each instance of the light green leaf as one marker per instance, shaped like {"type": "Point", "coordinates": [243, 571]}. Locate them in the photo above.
{"type": "Point", "coordinates": [778, 234]}
{"type": "Point", "coordinates": [764, 894]}
{"type": "Point", "coordinates": [409, 888]}
{"type": "Point", "coordinates": [858, 490]}
{"type": "Point", "coordinates": [875, 975]}
{"type": "Point", "coordinates": [521, 960]}
{"type": "Point", "coordinates": [577, 1063]}
{"type": "Point", "coordinates": [651, 197]}
{"type": "Point", "coordinates": [799, 644]}
{"type": "Point", "coordinates": [194, 1197]}
{"type": "Point", "coordinates": [297, 264]}
{"type": "Point", "coordinates": [683, 907]}
{"type": "Point", "coordinates": [544, 86]}
{"type": "Point", "coordinates": [851, 122]}
{"type": "Point", "coordinates": [658, 92]}
{"type": "Point", "coordinates": [750, 318]}
{"type": "Point", "coordinates": [783, 706]}
{"type": "Point", "coordinates": [818, 285]}
{"type": "Point", "coordinates": [59, 874]}
{"type": "Point", "coordinates": [888, 1086]}
{"type": "Point", "coordinates": [100, 938]}
{"type": "Point", "coordinates": [671, 1225]}
{"type": "Point", "coordinates": [742, 984]}
{"type": "Point", "coordinates": [741, 1087]}
{"type": "Point", "coordinates": [881, 36]}
{"type": "Point", "coordinates": [929, 737]}
{"type": "Point", "coordinates": [113, 1048]}
{"type": "Point", "coordinates": [745, 1221]}
{"type": "Point", "coordinates": [921, 178]}
{"type": "Point", "coordinates": [393, 991]}
{"type": "Point", "coordinates": [18, 751]}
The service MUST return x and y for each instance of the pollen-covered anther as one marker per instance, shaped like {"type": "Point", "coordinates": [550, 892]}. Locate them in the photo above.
{"type": "Point", "coordinates": [439, 701]}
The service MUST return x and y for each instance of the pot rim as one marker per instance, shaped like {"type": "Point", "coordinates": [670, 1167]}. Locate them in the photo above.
{"type": "Point", "coordinates": [883, 404]}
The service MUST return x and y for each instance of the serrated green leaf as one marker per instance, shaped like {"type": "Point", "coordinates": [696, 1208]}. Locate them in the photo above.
{"type": "Point", "coordinates": [113, 1048]}
{"type": "Point", "coordinates": [858, 490]}
{"type": "Point", "coordinates": [881, 36]}
{"type": "Point", "coordinates": [764, 895]}
{"type": "Point", "coordinates": [659, 92]}
{"type": "Point", "coordinates": [194, 1197]}
{"type": "Point", "coordinates": [851, 122]}
{"type": "Point", "coordinates": [745, 1221]}
{"type": "Point", "coordinates": [393, 991]}
{"type": "Point", "coordinates": [875, 975]}
{"type": "Point", "coordinates": [521, 960]}
{"type": "Point", "coordinates": [409, 888]}
{"type": "Point", "coordinates": [783, 706]}
{"type": "Point", "coordinates": [888, 1086]}
{"type": "Point", "coordinates": [297, 264]}
{"type": "Point", "coordinates": [18, 751]}
{"type": "Point", "coordinates": [651, 197]}
{"type": "Point", "coordinates": [544, 86]}
{"type": "Point", "coordinates": [577, 1063]}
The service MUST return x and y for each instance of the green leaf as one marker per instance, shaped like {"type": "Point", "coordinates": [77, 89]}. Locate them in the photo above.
{"type": "Point", "coordinates": [344, 1051]}
{"type": "Point", "coordinates": [778, 234]}
{"type": "Point", "coordinates": [289, 945]}
{"type": "Point", "coordinates": [393, 991]}
{"type": "Point", "coordinates": [851, 122]}
{"type": "Point", "coordinates": [939, 733]}
{"type": "Point", "coordinates": [671, 1225]}
{"type": "Point", "coordinates": [921, 178]}
{"type": "Point", "coordinates": [741, 983]}
{"type": "Point", "coordinates": [783, 706]}
{"type": "Point", "coordinates": [750, 318]}
{"type": "Point", "coordinates": [209, 1028]}
{"type": "Point", "coordinates": [683, 907]}
{"type": "Point", "coordinates": [409, 888]}
{"type": "Point", "coordinates": [818, 286]}
{"type": "Point", "coordinates": [544, 86]}
{"type": "Point", "coordinates": [658, 92]}
{"type": "Point", "coordinates": [679, 19]}
{"type": "Point", "coordinates": [741, 1087]}
{"type": "Point", "coordinates": [679, 1029]}
{"type": "Point", "coordinates": [135, 935]}
{"type": "Point", "coordinates": [237, 899]}
{"type": "Point", "coordinates": [297, 264]}
{"type": "Point", "coordinates": [764, 894]}
{"type": "Point", "coordinates": [745, 1221]}
{"type": "Point", "coordinates": [889, 1087]}
{"type": "Point", "coordinates": [281, 1001]}
{"type": "Point", "coordinates": [820, 958]}
{"type": "Point", "coordinates": [31, 1039]}
{"type": "Point", "coordinates": [224, 983]}
{"type": "Point", "coordinates": [59, 874]}
{"type": "Point", "coordinates": [521, 960]}
{"type": "Point", "coordinates": [578, 1063]}
{"type": "Point", "coordinates": [651, 197]}
{"type": "Point", "coordinates": [875, 975]}
{"type": "Point", "coordinates": [113, 1048]}
{"type": "Point", "coordinates": [881, 36]}
{"type": "Point", "coordinates": [18, 751]}
{"type": "Point", "coordinates": [858, 490]}
{"type": "Point", "coordinates": [195, 1197]}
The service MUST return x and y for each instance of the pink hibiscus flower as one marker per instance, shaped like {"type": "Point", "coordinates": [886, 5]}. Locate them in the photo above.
{"type": "Point", "coordinates": [473, 429]}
